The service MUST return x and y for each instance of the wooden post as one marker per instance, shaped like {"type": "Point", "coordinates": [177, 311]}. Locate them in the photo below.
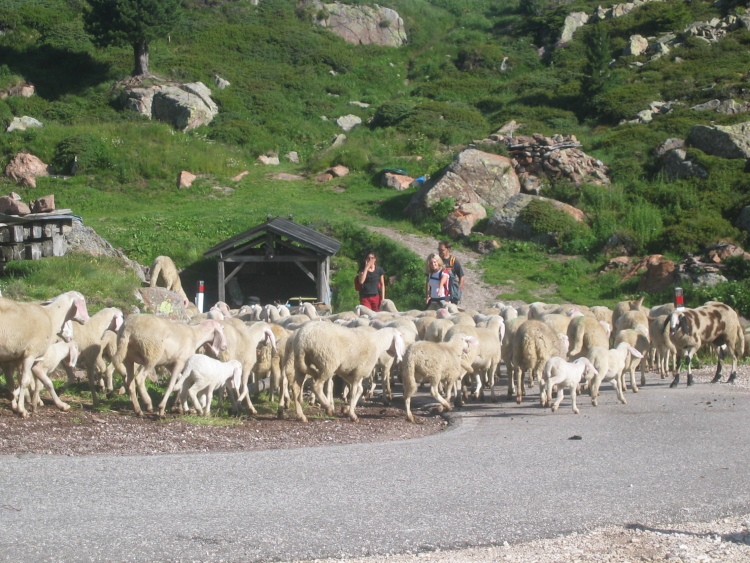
{"type": "Point", "coordinates": [222, 287]}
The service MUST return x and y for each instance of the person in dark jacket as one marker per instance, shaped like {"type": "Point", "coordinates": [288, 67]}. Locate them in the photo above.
{"type": "Point", "coordinates": [371, 278]}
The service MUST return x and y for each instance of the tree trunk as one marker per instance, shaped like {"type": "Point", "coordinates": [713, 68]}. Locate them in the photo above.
{"type": "Point", "coordinates": [140, 52]}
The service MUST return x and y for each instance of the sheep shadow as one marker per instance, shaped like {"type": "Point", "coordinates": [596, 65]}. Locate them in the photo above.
{"type": "Point", "coordinates": [735, 537]}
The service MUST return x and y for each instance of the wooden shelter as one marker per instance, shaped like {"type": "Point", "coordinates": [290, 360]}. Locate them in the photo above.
{"type": "Point", "coordinates": [276, 261]}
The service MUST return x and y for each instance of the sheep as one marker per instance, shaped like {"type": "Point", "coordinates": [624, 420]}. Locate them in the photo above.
{"type": "Point", "coordinates": [631, 319]}
{"type": "Point", "coordinates": [638, 338]}
{"type": "Point", "coordinates": [602, 314]}
{"type": "Point", "coordinates": [659, 310]}
{"type": "Point", "coordinates": [564, 375]}
{"type": "Point", "coordinates": [585, 332]}
{"type": "Point", "coordinates": [661, 344]}
{"type": "Point", "coordinates": [322, 350]}
{"type": "Point", "coordinates": [388, 305]}
{"type": "Point", "coordinates": [506, 350]}
{"type": "Point", "coordinates": [559, 322]}
{"type": "Point", "coordinates": [165, 274]}
{"type": "Point", "coordinates": [624, 306]}
{"type": "Point", "coordinates": [436, 330]}
{"type": "Point", "coordinates": [203, 375]}
{"type": "Point", "coordinates": [712, 323]}
{"type": "Point", "coordinates": [28, 329]}
{"type": "Point", "coordinates": [534, 344]}
{"type": "Point", "coordinates": [487, 359]}
{"type": "Point", "coordinates": [90, 339]}
{"type": "Point", "coordinates": [435, 363]}
{"type": "Point", "coordinates": [153, 341]}
{"type": "Point", "coordinates": [271, 359]}
{"type": "Point", "coordinates": [386, 363]}
{"type": "Point", "coordinates": [66, 352]}
{"type": "Point", "coordinates": [610, 364]}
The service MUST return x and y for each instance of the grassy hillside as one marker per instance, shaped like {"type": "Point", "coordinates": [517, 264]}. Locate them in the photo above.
{"type": "Point", "coordinates": [428, 99]}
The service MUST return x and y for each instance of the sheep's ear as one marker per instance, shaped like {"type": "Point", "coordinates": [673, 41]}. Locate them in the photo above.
{"type": "Point", "coordinates": [634, 352]}
{"type": "Point", "coordinates": [398, 346]}
{"type": "Point", "coordinates": [73, 355]}
{"type": "Point", "coordinates": [270, 337]}
{"type": "Point", "coordinates": [684, 324]}
{"type": "Point", "coordinates": [236, 380]}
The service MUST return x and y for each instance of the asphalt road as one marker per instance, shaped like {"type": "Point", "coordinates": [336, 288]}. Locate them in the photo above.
{"type": "Point", "coordinates": [505, 472]}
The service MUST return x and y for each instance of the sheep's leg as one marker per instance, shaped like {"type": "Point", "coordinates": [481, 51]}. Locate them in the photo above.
{"type": "Point", "coordinates": [643, 372]}
{"type": "Point", "coordinates": [38, 371]}
{"type": "Point", "coordinates": [297, 383]}
{"type": "Point", "coordinates": [733, 375]}
{"type": "Point", "coordinates": [209, 396]}
{"type": "Point", "coordinates": [573, 393]}
{"type": "Point", "coordinates": [676, 380]}
{"type": "Point", "coordinates": [176, 371]}
{"type": "Point", "coordinates": [618, 390]}
{"type": "Point", "coordinates": [320, 394]}
{"type": "Point", "coordinates": [717, 377]}
{"type": "Point", "coordinates": [518, 375]}
{"type": "Point", "coordinates": [560, 395]}
{"type": "Point", "coordinates": [193, 392]}
{"type": "Point", "coordinates": [444, 405]}
{"type": "Point", "coordinates": [594, 389]}
{"type": "Point", "coordinates": [632, 376]}
{"type": "Point", "coordinates": [140, 381]}
{"type": "Point", "coordinates": [357, 391]}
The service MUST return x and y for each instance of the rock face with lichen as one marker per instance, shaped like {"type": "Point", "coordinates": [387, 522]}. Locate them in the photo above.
{"type": "Point", "coordinates": [184, 106]}
{"type": "Point", "coordinates": [361, 25]}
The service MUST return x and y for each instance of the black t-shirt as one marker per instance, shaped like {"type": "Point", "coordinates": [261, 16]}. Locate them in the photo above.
{"type": "Point", "coordinates": [370, 287]}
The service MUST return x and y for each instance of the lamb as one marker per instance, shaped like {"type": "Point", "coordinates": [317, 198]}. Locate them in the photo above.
{"type": "Point", "coordinates": [534, 344]}
{"type": "Point", "coordinates": [506, 350]}
{"type": "Point", "coordinates": [153, 341]}
{"type": "Point", "coordinates": [58, 352]}
{"type": "Point", "coordinates": [610, 364]}
{"type": "Point", "coordinates": [27, 330]}
{"type": "Point", "coordinates": [90, 340]}
{"type": "Point", "coordinates": [638, 338]}
{"type": "Point", "coordinates": [203, 375]}
{"type": "Point", "coordinates": [486, 362]}
{"type": "Point", "coordinates": [165, 274]}
{"type": "Point", "coordinates": [322, 350]}
{"type": "Point", "coordinates": [585, 332]}
{"type": "Point", "coordinates": [712, 323]}
{"type": "Point", "coordinates": [564, 375]}
{"type": "Point", "coordinates": [436, 363]}
{"type": "Point", "coordinates": [661, 344]}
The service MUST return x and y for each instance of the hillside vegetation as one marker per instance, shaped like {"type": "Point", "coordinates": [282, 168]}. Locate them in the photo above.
{"type": "Point", "coordinates": [446, 88]}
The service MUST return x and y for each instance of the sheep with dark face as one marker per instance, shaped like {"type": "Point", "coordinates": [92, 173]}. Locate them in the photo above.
{"type": "Point", "coordinates": [712, 323]}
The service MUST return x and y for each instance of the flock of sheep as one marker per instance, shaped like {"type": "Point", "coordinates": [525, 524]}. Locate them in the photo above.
{"type": "Point", "coordinates": [458, 353]}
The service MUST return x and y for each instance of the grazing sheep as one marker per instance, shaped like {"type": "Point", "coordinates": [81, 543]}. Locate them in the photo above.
{"type": "Point", "coordinates": [59, 352]}
{"type": "Point", "coordinates": [90, 340]}
{"type": "Point", "coordinates": [435, 363]}
{"type": "Point", "coordinates": [610, 364]}
{"type": "Point", "coordinates": [585, 332]}
{"type": "Point", "coordinates": [203, 376]}
{"type": "Point", "coordinates": [27, 330]}
{"type": "Point", "coordinates": [712, 323]}
{"type": "Point", "coordinates": [534, 344]}
{"type": "Point", "coordinates": [564, 375]}
{"type": "Point", "coordinates": [165, 274]}
{"type": "Point", "coordinates": [322, 350]}
{"type": "Point", "coordinates": [153, 341]}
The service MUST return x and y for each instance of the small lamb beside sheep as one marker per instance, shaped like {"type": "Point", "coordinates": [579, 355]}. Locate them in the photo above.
{"type": "Point", "coordinates": [564, 375]}
{"type": "Point", "coordinates": [201, 377]}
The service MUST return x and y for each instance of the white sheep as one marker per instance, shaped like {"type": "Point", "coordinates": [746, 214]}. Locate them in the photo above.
{"type": "Point", "coordinates": [322, 350]}
{"type": "Point", "coordinates": [486, 362]}
{"type": "Point", "coordinates": [661, 344]}
{"type": "Point", "coordinates": [712, 323]}
{"type": "Point", "coordinates": [564, 375]}
{"type": "Point", "coordinates": [603, 315]}
{"type": "Point", "coordinates": [638, 338]}
{"type": "Point", "coordinates": [624, 306]}
{"type": "Point", "coordinates": [165, 274]}
{"type": "Point", "coordinates": [610, 364]}
{"type": "Point", "coordinates": [27, 330]}
{"type": "Point", "coordinates": [201, 377]}
{"type": "Point", "coordinates": [435, 363]}
{"type": "Point", "coordinates": [585, 332]}
{"type": "Point", "coordinates": [153, 341]}
{"type": "Point", "coordinates": [59, 352]}
{"type": "Point", "coordinates": [534, 344]}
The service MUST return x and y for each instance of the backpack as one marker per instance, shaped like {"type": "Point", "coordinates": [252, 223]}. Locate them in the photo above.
{"type": "Point", "coordinates": [357, 285]}
{"type": "Point", "coordinates": [453, 290]}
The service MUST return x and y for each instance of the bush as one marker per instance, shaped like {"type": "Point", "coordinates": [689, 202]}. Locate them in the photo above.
{"type": "Point", "coordinates": [697, 229]}
{"type": "Point", "coordinates": [391, 113]}
{"type": "Point", "coordinates": [82, 154]}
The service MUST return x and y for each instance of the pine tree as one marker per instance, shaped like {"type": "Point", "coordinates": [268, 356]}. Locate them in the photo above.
{"type": "Point", "coordinates": [596, 71]}
{"type": "Point", "coordinates": [132, 22]}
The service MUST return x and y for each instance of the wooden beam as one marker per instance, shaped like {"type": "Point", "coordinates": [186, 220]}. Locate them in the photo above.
{"type": "Point", "coordinates": [222, 287]}
{"type": "Point", "coordinates": [308, 272]}
{"type": "Point", "coordinates": [234, 272]}
{"type": "Point", "coordinates": [264, 259]}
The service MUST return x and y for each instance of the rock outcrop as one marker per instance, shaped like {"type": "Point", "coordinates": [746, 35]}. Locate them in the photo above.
{"type": "Point", "coordinates": [25, 168]}
{"type": "Point", "coordinates": [506, 222]}
{"type": "Point", "coordinates": [23, 123]}
{"type": "Point", "coordinates": [473, 177]}
{"type": "Point", "coordinates": [360, 24]}
{"type": "Point", "coordinates": [724, 141]}
{"type": "Point", "coordinates": [184, 106]}
{"type": "Point", "coordinates": [461, 220]}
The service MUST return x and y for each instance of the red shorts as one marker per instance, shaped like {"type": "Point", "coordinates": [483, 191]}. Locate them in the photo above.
{"type": "Point", "coordinates": [371, 302]}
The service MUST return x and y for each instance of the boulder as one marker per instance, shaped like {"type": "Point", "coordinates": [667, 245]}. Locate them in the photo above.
{"type": "Point", "coordinates": [292, 157]}
{"type": "Point", "coordinates": [11, 206]}
{"type": "Point", "coordinates": [348, 122]}
{"type": "Point", "coordinates": [637, 45]}
{"type": "Point", "coordinates": [220, 82]}
{"type": "Point", "coordinates": [163, 302]}
{"type": "Point", "coordinates": [272, 160]}
{"type": "Point", "coordinates": [473, 177]}
{"type": "Point", "coordinates": [676, 166]}
{"type": "Point", "coordinates": [338, 141]}
{"type": "Point", "coordinates": [486, 246]}
{"type": "Point", "coordinates": [398, 182]}
{"type": "Point", "coordinates": [506, 221]}
{"type": "Point", "coordinates": [25, 168]}
{"type": "Point", "coordinates": [185, 179]}
{"type": "Point", "coordinates": [360, 24]}
{"type": "Point", "coordinates": [720, 252]}
{"type": "Point", "coordinates": [669, 145]}
{"type": "Point", "coordinates": [184, 106]}
{"type": "Point", "coordinates": [461, 221]}
{"type": "Point", "coordinates": [23, 123]}
{"type": "Point", "coordinates": [24, 90]}
{"type": "Point", "coordinates": [724, 141]}
{"type": "Point", "coordinates": [241, 175]}
{"type": "Point", "coordinates": [44, 204]}
{"type": "Point", "coordinates": [573, 21]}
{"type": "Point", "coordinates": [661, 274]}
{"type": "Point", "coordinates": [325, 177]}
{"type": "Point", "coordinates": [743, 221]}
{"type": "Point", "coordinates": [338, 171]}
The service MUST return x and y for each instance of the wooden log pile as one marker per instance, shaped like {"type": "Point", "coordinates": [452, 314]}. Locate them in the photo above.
{"type": "Point", "coordinates": [34, 236]}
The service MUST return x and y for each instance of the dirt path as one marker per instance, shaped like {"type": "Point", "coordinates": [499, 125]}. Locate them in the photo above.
{"type": "Point", "coordinates": [476, 293]}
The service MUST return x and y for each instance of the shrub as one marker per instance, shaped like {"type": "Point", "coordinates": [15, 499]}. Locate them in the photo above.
{"type": "Point", "coordinates": [391, 113]}
{"type": "Point", "coordinates": [82, 154]}
{"type": "Point", "coordinates": [697, 229]}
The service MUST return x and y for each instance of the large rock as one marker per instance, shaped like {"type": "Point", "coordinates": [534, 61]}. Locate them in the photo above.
{"type": "Point", "coordinates": [25, 168]}
{"type": "Point", "coordinates": [23, 123]}
{"type": "Point", "coordinates": [573, 21]}
{"type": "Point", "coordinates": [473, 177]}
{"type": "Point", "coordinates": [348, 122]}
{"type": "Point", "coordinates": [461, 221]}
{"type": "Point", "coordinates": [724, 141]}
{"type": "Point", "coordinates": [637, 45]}
{"type": "Point", "coordinates": [677, 166]}
{"type": "Point", "coordinates": [360, 24]}
{"type": "Point", "coordinates": [184, 106]}
{"type": "Point", "coordinates": [743, 221]}
{"type": "Point", "coordinates": [506, 222]}
{"type": "Point", "coordinates": [661, 274]}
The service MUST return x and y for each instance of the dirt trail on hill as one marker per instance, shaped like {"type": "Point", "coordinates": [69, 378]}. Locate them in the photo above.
{"type": "Point", "coordinates": [476, 293]}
